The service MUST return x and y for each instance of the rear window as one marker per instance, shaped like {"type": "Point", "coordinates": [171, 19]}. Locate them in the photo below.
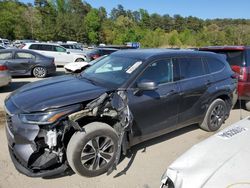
{"type": "Point", "coordinates": [46, 47]}
{"type": "Point", "coordinates": [24, 55]}
{"type": "Point", "coordinates": [34, 46]}
{"type": "Point", "coordinates": [191, 67]}
{"type": "Point", "coordinates": [233, 57]}
{"type": "Point", "coordinates": [5, 55]}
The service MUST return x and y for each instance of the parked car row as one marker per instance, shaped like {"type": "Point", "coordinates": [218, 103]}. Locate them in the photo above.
{"type": "Point", "coordinates": [88, 121]}
{"type": "Point", "coordinates": [59, 53]}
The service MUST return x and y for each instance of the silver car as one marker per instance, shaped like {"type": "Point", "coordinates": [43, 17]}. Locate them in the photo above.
{"type": "Point", "coordinates": [5, 77]}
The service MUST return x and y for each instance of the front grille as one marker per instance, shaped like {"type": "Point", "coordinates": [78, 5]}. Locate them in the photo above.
{"type": "Point", "coordinates": [9, 122]}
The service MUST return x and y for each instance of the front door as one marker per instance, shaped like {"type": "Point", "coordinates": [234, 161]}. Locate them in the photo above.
{"type": "Point", "coordinates": [155, 112]}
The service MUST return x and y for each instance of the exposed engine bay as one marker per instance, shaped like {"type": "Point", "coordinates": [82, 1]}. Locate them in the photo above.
{"type": "Point", "coordinates": [47, 155]}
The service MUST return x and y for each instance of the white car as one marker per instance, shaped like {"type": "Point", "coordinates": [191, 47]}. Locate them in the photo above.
{"type": "Point", "coordinates": [75, 67]}
{"type": "Point", "coordinates": [61, 55]}
{"type": "Point", "coordinates": [4, 42]}
{"type": "Point", "coordinates": [222, 160]}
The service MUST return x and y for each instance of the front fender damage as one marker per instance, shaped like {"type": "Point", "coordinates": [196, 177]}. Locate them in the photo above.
{"type": "Point", "coordinates": [114, 105]}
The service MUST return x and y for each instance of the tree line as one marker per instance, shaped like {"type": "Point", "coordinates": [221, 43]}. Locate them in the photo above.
{"type": "Point", "coordinates": [76, 20]}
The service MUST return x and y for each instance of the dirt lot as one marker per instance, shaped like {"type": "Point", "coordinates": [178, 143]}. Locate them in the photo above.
{"type": "Point", "coordinates": [142, 168]}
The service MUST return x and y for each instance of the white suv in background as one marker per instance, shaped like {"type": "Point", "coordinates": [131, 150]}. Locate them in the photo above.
{"type": "Point", "coordinates": [61, 55]}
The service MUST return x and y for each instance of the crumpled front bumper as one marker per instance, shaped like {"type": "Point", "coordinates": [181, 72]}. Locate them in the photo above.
{"type": "Point", "coordinates": [22, 148]}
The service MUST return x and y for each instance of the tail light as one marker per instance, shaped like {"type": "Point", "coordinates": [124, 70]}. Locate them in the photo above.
{"type": "Point", "coordinates": [3, 68]}
{"type": "Point", "coordinates": [95, 56]}
{"type": "Point", "coordinates": [243, 74]}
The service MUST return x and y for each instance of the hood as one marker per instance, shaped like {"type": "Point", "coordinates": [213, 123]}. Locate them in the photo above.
{"type": "Point", "coordinates": [53, 93]}
{"type": "Point", "coordinates": [219, 161]}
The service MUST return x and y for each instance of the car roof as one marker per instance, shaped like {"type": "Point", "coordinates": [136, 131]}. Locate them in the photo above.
{"type": "Point", "coordinates": [22, 50]}
{"type": "Point", "coordinates": [222, 48]}
{"type": "Point", "coordinates": [144, 54]}
{"type": "Point", "coordinates": [42, 43]}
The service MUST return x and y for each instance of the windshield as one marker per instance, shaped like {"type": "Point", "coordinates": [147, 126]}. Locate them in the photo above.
{"type": "Point", "coordinates": [112, 71]}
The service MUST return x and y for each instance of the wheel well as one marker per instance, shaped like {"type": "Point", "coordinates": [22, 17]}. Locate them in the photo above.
{"type": "Point", "coordinates": [227, 100]}
{"type": "Point", "coordinates": [86, 120]}
{"type": "Point", "coordinates": [79, 58]}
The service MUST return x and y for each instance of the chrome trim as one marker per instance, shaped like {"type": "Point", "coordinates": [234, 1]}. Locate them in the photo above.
{"type": "Point", "coordinates": [7, 111]}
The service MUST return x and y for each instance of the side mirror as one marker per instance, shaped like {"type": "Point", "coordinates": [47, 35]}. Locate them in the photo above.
{"type": "Point", "coordinates": [68, 52]}
{"type": "Point", "coordinates": [147, 86]}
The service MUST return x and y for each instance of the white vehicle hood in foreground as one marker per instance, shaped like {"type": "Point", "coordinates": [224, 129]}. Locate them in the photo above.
{"type": "Point", "coordinates": [222, 160]}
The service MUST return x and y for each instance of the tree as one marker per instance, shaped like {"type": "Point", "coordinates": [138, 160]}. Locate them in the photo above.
{"type": "Point", "coordinates": [93, 24]}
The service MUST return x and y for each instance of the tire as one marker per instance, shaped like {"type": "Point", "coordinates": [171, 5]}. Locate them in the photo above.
{"type": "Point", "coordinates": [215, 116]}
{"type": "Point", "coordinates": [39, 72]}
{"type": "Point", "coordinates": [87, 160]}
{"type": "Point", "coordinates": [247, 105]}
{"type": "Point", "coordinates": [79, 60]}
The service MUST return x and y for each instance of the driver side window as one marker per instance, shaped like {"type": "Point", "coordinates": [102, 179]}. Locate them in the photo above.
{"type": "Point", "coordinates": [160, 72]}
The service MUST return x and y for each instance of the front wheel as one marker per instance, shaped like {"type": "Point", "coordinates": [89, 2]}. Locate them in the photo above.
{"type": "Point", "coordinates": [39, 72]}
{"type": "Point", "coordinates": [215, 116]}
{"type": "Point", "coordinates": [92, 152]}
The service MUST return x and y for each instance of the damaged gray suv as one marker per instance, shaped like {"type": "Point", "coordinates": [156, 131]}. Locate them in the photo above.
{"type": "Point", "coordinates": [87, 121]}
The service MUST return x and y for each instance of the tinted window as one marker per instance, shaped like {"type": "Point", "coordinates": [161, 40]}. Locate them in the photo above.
{"type": "Point", "coordinates": [107, 52]}
{"type": "Point", "coordinates": [6, 55]}
{"type": "Point", "coordinates": [233, 57]}
{"type": "Point", "coordinates": [24, 55]}
{"type": "Point", "coordinates": [34, 46]}
{"type": "Point", "coordinates": [191, 67]}
{"type": "Point", "coordinates": [248, 57]}
{"type": "Point", "coordinates": [160, 72]}
{"type": "Point", "coordinates": [45, 47]}
{"type": "Point", "coordinates": [214, 65]}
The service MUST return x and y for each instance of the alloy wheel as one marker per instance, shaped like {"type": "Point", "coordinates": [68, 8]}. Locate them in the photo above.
{"type": "Point", "coordinates": [97, 152]}
{"type": "Point", "coordinates": [217, 116]}
{"type": "Point", "coordinates": [39, 72]}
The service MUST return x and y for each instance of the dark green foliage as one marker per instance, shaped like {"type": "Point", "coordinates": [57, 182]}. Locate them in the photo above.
{"type": "Point", "coordinates": [62, 20]}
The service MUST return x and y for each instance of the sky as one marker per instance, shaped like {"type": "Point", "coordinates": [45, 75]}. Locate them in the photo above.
{"type": "Point", "coordinates": [205, 9]}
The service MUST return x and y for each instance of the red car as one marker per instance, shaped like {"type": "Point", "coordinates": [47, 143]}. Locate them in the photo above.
{"type": "Point", "coordinates": [239, 59]}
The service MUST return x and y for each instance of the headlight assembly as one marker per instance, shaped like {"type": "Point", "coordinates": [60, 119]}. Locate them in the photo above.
{"type": "Point", "coordinates": [48, 117]}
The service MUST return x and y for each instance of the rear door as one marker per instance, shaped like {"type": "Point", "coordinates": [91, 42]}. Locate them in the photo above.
{"type": "Point", "coordinates": [194, 83]}
{"type": "Point", "coordinates": [156, 112]}
{"type": "Point", "coordinates": [22, 63]}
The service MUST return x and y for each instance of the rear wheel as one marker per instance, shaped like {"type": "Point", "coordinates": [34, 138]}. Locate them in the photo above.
{"type": "Point", "coordinates": [92, 152]}
{"type": "Point", "coordinates": [79, 60]}
{"type": "Point", "coordinates": [39, 72]}
{"type": "Point", "coordinates": [215, 116]}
